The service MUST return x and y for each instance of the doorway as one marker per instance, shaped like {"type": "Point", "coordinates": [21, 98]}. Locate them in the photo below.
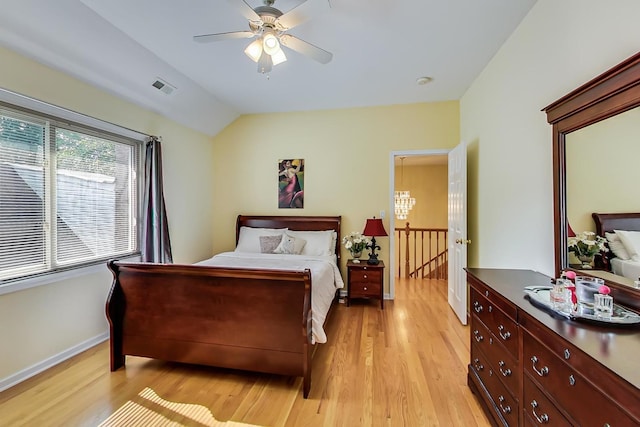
{"type": "Point", "coordinates": [410, 159]}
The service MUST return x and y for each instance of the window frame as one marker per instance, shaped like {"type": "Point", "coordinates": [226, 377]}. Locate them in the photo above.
{"type": "Point", "coordinates": [95, 127]}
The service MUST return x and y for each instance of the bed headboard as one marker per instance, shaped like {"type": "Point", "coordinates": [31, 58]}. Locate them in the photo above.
{"type": "Point", "coordinates": [298, 223]}
{"type": "Point", "coordinates": [606, 223]}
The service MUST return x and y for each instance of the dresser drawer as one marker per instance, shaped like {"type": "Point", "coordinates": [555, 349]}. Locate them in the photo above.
{"type": "Point", "coordinates": [537, 406]}
{"type": "Point", "coordinates": [504, 407]}
{"type": "Point", "coordinates": [506, 404]}
{"type": "Point", "coordinates": [502, 326]}
{"type": "Point", "coordinates": [571, 390]}
{"type": "Point", "coordinates": [503, 364]}
{"type": "Point", "coordinates": [496, 299]}
{"type": "Point", "coordinates": [479, 334]}
{"type": "Point", "coordinates": [479, 362]}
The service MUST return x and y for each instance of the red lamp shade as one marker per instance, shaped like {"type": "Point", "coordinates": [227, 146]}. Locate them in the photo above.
{"type": "Point", "coordinates": [374, 227]}
{"type": "Point", "coordinates": [570, 231]}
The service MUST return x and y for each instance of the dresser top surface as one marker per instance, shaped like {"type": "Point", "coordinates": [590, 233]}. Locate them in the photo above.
{"type": "Point", "coordinates": [616, 347]}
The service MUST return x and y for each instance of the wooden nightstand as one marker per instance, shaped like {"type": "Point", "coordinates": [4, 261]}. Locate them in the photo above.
{"type": "Point", "coordinates": [365, 281]}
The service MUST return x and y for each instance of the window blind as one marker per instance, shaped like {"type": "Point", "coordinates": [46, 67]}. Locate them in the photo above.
{"type": "Point", "coordinates": [68, 195]}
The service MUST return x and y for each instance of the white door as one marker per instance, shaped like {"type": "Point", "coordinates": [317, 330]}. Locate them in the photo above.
{"type": "Point", "coordinates": [457, 208]}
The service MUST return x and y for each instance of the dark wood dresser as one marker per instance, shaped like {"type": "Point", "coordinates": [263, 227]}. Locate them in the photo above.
{"type": "Point", "coordinates": [532, 367]}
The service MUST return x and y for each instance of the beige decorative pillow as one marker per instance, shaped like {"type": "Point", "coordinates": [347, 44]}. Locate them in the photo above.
{"type": "Point", "coordinates": [290, 245]}
{"type": "Point", "coordinates": [249, 239]}
{"type": "Point", "coordinates": [268, 244]}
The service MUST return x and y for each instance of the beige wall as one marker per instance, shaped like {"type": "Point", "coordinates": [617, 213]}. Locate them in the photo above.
{"type": "Point", "coordinates": [346, 155]}
{"type": "Point", "coordinates": [603, 172]}
{"type": "Point", "coordinates": [40, 323]}
{"type": "Point", "coordinates": [559, 46]}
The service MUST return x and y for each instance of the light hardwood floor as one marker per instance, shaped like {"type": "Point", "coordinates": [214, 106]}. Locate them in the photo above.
{"type": "Point", "coordinates": [404, 366]}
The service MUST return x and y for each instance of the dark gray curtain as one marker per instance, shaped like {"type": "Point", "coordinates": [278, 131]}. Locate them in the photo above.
{"type": "Point", "coordinates": [156, 246]}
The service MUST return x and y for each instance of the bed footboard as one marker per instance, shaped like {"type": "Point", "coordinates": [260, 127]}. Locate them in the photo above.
{"type": "Point", "coordinates": [256, 320]}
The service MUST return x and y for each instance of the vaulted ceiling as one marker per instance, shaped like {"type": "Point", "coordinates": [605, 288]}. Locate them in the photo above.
{"type": "Point", "coordinates": [380, 49]}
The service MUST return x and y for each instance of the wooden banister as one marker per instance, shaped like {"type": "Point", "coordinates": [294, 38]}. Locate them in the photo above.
{"type": "Point", "coordinates": [415, 245]}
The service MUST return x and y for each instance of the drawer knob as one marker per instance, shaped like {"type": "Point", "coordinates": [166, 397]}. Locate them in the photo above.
{"type": "Point", "coordinates": [486, 293]}
{"type": "Point", "coordinates": [477, 307]}
{"type": "Point", "coordinates": [476, 364]}
{"type": "Point", "coordinates": [542, 419]}
{"type": "Point", "coordinates": [542, 372]}
{"type": "Point", "coordinates": [567, 354]}
{"type": "Point", "coordinates": [506, 409]}
{"type": "Point", "coordinates": [477, 335]}
{"type": "Point", "coordinates": [365, 288]}
{"type": "Point", "coordinates": [505, 372]}
{"type": "Point", "coordinates": [572, 380]}
{"type": "Point", "coordinates": [504, 335]}
{"type": "Point", "coordinates": [365, 276]}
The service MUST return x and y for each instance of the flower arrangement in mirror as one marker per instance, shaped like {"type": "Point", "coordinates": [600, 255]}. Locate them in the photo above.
{"type": "Point", "coordinates": [355, 243]}
{"type": "Point", "coordinates": [586, 246]}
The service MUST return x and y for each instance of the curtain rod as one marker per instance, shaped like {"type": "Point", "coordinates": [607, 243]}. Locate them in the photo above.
{"type": "Point", "coordinates": [65, 113]}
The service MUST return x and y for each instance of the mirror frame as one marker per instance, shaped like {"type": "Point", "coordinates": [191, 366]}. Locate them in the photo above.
{"type": "Point", "coordinates": [613, 92]}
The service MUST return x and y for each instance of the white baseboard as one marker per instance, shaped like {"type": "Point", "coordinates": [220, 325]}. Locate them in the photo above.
{"type": "Point", "coordinates": [33, 370]}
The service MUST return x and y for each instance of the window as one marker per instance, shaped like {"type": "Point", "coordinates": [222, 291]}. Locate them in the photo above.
{"type": "Point", "coordinates": [68, 194]}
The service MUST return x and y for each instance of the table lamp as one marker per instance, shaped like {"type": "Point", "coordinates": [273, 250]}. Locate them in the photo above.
{"type": "Point", "coordinates": [373, 228]}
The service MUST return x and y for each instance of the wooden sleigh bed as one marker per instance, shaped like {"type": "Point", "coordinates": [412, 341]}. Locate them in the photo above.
{"type": "Point", "coordinates": [249, 319]}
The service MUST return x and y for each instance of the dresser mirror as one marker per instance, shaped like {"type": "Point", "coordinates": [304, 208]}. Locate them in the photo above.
{"type": "Point", "coordinates": [598, 120]}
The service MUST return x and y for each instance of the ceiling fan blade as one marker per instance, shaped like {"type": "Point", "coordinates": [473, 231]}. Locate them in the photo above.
{"type": "Point", "coordinates": [303, 12]}
{"type": "Point", "coordinates": [305, 48]}
{"type": "Point", "coordinates": [206, 38]}
{"type": "Point", "coordinates": [246, 10]}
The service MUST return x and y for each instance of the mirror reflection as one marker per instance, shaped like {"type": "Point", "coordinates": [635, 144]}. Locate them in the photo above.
{"type": "Point", "coordinates": [603, 176]}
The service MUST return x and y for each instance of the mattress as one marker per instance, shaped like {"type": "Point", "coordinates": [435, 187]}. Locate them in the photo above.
{"type": "Point", "coordinates": [627, 268]}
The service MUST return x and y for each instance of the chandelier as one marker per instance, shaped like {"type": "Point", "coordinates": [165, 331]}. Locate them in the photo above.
{"type": "Point", "coordinates": [402, 200]}
{"type": "Point", "coordinates": [403, 203]}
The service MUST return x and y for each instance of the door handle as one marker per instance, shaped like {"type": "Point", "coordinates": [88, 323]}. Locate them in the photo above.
{"type": "Point", "coordinates": [462, 241]}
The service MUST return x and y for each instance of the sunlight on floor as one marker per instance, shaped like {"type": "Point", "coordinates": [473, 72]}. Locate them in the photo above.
{"type": "Point", "coordinates": [149, 409]}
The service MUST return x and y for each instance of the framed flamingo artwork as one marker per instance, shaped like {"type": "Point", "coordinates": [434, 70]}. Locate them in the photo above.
{"type": "Point", "coordinates": [291, 183]}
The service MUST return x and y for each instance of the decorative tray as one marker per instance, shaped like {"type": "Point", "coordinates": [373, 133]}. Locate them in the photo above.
{"type": "Point", "coordinates": [540, 295]}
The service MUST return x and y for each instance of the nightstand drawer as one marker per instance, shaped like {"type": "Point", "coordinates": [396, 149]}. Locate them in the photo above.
{"type": "Point", "coordinates": [364, 275]}
{"type": "Point", "coordinates": [364, 289]}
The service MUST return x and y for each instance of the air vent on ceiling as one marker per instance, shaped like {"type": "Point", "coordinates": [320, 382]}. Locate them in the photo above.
{"type": "Point", "coordinates": [163, 86]}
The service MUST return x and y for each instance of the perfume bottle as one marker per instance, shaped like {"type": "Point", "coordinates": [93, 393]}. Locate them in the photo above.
{"type": "Point", "coordinates": [558, 294]}
{"type": "Point", "coordinates": [603, 302]}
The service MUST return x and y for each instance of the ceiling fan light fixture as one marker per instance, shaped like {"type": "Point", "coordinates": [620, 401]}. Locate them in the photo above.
{"type": "Point", "coordinates": [270, 43]}
{"type": "Point", "coordinates": [278, 57]}
{"type": "Point", "coordinates": [254, 50]}
{"type": "Point", "coordinates": [265, 63]}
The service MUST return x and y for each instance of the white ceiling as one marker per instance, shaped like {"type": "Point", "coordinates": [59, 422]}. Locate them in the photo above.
{"type": "Point", "coordinates": [379, 50]}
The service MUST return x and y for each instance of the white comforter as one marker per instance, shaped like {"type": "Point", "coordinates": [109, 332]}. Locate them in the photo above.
{"type": "Point", "coordinates": [325, 278]}
{"type": "Point", "coordinates": [627, 268]}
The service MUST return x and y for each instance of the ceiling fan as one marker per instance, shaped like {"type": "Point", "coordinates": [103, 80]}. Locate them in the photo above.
{"type": "Point", "coordinates": [269, 26]}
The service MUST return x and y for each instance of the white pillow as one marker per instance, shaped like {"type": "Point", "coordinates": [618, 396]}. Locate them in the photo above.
{"type": "Point", "coordinates": [290, 245]}
{"type": "Point", "coordinates": [318, 242]}
{"type": "Point", "coordinates": [631, 242]}
{"type": "Point", "coordinates": [249, 239]}
{"type": "Point", "coordinates": [616, 246]}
